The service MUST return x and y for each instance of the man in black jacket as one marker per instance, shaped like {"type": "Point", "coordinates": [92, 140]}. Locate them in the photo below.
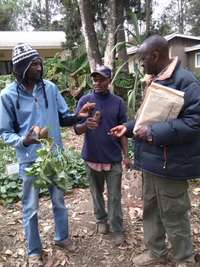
{"type": "Point", "coordinates": [168, 153]}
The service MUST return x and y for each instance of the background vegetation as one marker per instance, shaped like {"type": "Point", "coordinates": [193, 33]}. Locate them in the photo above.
{"type": "Point", "coordinates": [95, 30]}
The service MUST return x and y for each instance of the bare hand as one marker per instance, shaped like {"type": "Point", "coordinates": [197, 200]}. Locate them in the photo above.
{"type": "Point", "coordinates": [86, 109]}
{"type": "Point", "coordinates": [118, 131]}
{"type": "Point", "coordinates": [91, 123]}
{"type": "Point", "coordinates": [127, 162]}
{"type": "Point", "coordinates": [142, 133]}
{"type": "Point", "coordinates": [31, 137]}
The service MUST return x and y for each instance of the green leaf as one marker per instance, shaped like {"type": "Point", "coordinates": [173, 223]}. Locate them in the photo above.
{"type": "Point", "coordinates": [3, 189]}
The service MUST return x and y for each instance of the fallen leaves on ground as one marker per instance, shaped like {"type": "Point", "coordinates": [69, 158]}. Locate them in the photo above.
{"type": "Point", "coordinates": [93, 249]}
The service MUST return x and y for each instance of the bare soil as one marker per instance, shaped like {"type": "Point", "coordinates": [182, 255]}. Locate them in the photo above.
{"type": "Point", "coordinates": [93, 249]}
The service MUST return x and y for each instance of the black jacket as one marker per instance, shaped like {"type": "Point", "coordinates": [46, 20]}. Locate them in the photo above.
{"type": "Point", "coordinates": [175, 152]}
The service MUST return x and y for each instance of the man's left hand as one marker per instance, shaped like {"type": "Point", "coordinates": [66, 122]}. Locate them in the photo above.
{"type": "Point", "coordinates": [144, 134]}
{"type": "Point", "coordinates": [127, 162]}
{"type": "Point", "coordinates": [86, 109]}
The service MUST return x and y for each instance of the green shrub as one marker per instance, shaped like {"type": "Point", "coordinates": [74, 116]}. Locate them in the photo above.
{"type": "Point", "coordinates": [76, 169]}
{"type": "Point", "coordinates": [4, 80]}
{"type": "Point", "coordinates": [65, 169]}
{"type": "Point", "coordinates": [10, 185]}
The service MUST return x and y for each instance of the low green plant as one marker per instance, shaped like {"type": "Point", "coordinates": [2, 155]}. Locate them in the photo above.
{"type": "Point", "coordinates": [75, 169]}
{"type": "Point", "coordinates": [67, 166]}
{"type": "Point", "coordinates": [64, 169]}
{"type": "Point", "coordinates": [5, 79]}
{"type": "Point", "coordinates": [10, 185]}
{"type": "Point", "coordinates": [71, 75]}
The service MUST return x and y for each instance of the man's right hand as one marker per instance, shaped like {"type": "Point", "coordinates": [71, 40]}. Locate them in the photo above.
{"type": "Point", "coordinates": [118, 131]}
{"type": "Point", "coordinates": [31, 138]}
{"type": "Point", "coordinates": [86, 109]}
{"type": "Point", "coordinates": [91, 123]}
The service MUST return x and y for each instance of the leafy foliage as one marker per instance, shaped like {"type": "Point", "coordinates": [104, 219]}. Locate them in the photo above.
{"type": "Point", "coordinates": [72, 76]}
{"type": "Point", "coordinates": [179, 16]}
{"type": "Point", "coordinates": [11, 14]}
{"type": "Point", "coordinates": [55, 70]}
{"type": "Point", "coordinates": [72, 25]}
{"type": "Point", "coordinates": [131, 85]}
{"type": "Point", "coordinates": [43, 15]}
{"type": "Point", "coordinates": [4, 80]}
{"type": "Point", "coordinates": [10, 185]}
{"type": "Point", "coordinates": [135, 93]}
{"type": "Point", "coordinates": [68, 166]}
{"type": "Point", "coordinates": [64, 169]}
{"type": "Point", "coordinates": [193, 16]}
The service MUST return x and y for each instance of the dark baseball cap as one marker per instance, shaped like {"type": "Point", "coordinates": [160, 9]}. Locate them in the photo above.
{"type": "Point", "coordinates": [102, 70]}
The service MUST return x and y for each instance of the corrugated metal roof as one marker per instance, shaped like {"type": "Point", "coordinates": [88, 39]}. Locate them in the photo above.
{"type": "Point", "coordinates": [192, 48]}
{"type": "Point", "coordinates": [37, 39]}
{"type": "Point", "coordinates": [133, 49]}
{"type": "Point", "coordinates": [174, 35]}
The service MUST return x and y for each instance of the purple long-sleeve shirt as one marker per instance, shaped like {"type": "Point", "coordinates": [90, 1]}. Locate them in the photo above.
{"type": "Point", "coordinates": [99, 146]}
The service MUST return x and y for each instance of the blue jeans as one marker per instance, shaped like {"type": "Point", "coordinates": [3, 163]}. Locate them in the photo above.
{"type": "Point", "coordinates": [30, 202]}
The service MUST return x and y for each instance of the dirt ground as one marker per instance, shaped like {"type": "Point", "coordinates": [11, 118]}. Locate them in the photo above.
{"type": "Point", "coordinates": [93, 249]}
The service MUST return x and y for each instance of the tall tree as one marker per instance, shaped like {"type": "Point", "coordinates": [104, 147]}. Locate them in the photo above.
{"type": "Point", "coordinates": [72, 25]}
{"type": "Point", "coordinates": [47, 13]}
{"type": "Point", "coordinates": [12, 14]}
{"type": "Point", "coordinates": [176, 16]}
{"type": "Point", "coordinates": [110, 52]}
{"type": "Point", "coordinates": [122, 53]}
{"type": "Point", "coordinates": [91, 42]}
{"type": "Point", "coordinates": [42, 14]}
{"type": "Point", "coordinates": [193, 16]}
{"type": "Point", "coordinates": [113, 31]}
{"type": "Point", "coordinates": [148, 14]}
{"type": "Point", "coordinates": [103, 26]}
{"type": "Point", "coordinates": [181, 15]}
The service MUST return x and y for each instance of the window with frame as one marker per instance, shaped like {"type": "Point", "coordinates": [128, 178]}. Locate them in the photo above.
{"type": "Point", "coordinates": [197, 60]}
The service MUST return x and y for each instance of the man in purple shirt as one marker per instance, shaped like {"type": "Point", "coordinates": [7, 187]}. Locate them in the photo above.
{"type": "Point", "coordinates": [103, 152]}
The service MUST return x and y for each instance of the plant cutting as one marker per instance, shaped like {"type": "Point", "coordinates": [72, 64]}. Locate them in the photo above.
{"type": "Point", "coordinates": [49, 167]}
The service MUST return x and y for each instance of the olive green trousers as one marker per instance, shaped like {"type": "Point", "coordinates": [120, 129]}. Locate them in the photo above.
{"type": "Point", "coordinates": [113, 180]}
{"type": "Point", "coordinates": [166, 206]}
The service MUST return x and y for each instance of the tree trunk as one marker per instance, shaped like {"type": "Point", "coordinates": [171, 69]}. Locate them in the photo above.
{"type": "Point", "coordinates": [180, 16]}
{"type": "Point", "coordinates": [47, 13]}
{"type": "Point", "coordinates": [148, 11]}
{"type": "Point", "coordinates": [110, 53]}
{"type": "Point", "coordinates": [122, 52]}
{"type": "Point", "coordinates": [91, 43]}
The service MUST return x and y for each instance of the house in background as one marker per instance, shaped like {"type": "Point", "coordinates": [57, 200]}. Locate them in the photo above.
{"type": "Point", "coordinates": [193, 58]}
{"type": "Point", "coordinates": [186, 47]}
{"type": "Point", "coordinates": [48, 43]}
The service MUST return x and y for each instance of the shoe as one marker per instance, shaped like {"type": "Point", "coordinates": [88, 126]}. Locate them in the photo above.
{"type": "Point", "coordinates": [103, 228]}
{"type": "Point", "coordinates": [146, 259]}
{"type": "Point", "coordinates": [35, 261]}
{"type": "Point", "coordinates": [118, 238]}
{"type": "Point", "coordinates": [188, 263]}
{"type": "Point", "coordinates": [66, 244]}
{"type": "Point", "coordinates": [185, 264]}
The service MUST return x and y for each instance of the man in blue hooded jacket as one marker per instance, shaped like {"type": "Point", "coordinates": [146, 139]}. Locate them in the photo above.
{"type": "Point", "coordinates": [168, 153]}
{"type": "Point", "coordinates": [26, 102]}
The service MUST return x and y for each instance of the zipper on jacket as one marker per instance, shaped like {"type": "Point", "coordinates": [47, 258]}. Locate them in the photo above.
{"type": "Point", "coordinates": [165, 156]}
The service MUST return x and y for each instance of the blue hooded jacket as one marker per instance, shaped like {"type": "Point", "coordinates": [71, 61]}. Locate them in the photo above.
{"type": "Point", "coordinates": [32, 111]}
